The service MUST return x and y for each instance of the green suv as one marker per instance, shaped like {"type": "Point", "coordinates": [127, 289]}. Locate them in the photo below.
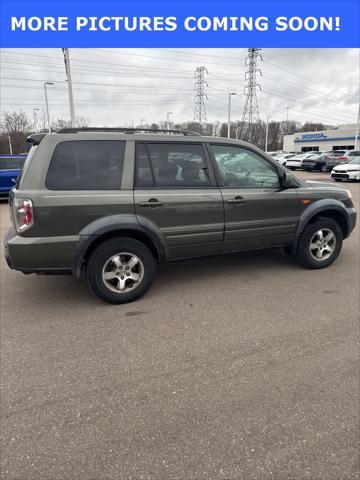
{"type": "Point", "coordinates": [110, 205]}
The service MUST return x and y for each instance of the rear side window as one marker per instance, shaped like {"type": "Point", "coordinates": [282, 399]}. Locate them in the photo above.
{"type": "Point", "coordinates": [11, 163]}
{"type": "Point", "coordinates": [170, 165]}
{"type": "Point", "coordinates": [86, 165]}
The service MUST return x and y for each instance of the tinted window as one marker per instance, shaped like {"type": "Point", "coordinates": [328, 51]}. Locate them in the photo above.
{"type": "Point", "coordinates": [170, 165]}
{"type": "Point", "coordinates": [86, 165]}
{"type": "Point", "coordinates": [9, 163]}
{"type": "Point", "coordinates": [354, 154]}
{"type": "Point", "coordinates": [240, 167]}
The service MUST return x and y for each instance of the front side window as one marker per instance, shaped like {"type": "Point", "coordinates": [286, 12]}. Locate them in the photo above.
{"type": "Point", "coordinates": [170, 165]}
{"type": "Point", "coordinates": [240, 167]}
{"type": "Point", "coordinates": [86, 165]}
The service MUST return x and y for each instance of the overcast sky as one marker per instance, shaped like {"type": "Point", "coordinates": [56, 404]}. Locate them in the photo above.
{"type": "Point", "coordinates": [118, 87]}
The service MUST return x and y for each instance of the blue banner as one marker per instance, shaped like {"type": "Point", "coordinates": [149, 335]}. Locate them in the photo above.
{"type": "Point", "coordinates": [142, 24]}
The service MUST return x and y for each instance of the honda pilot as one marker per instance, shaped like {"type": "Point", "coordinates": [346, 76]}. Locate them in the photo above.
{"type": "Point", "coordinates": [110, 205]}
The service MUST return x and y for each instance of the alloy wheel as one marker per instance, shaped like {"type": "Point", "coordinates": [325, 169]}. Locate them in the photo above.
{"type": "Point", "coordinates": [123, 272]}
{"type": "Point", "coordinates": [322, 244]}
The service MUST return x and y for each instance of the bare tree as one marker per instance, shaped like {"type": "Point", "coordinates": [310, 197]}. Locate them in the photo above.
{"type": "Point", "coordinates": [80, 122]}
{"type": "Point", "coordinates": [17, 126]}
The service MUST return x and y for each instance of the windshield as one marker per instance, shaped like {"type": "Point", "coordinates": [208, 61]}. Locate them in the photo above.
{"type": "Point", "coordinates": [355, 161]}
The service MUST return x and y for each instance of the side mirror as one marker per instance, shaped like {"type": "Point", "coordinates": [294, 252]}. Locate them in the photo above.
{"type": "Point", "coordinates": [287, 181]}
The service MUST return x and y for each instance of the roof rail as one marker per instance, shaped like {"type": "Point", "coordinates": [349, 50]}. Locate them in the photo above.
{"type": "Point", "coordinates": [125, 130]}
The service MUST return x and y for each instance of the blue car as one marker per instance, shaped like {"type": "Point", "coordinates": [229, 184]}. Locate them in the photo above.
{"type": "Point", "coordinates": [10, 168]}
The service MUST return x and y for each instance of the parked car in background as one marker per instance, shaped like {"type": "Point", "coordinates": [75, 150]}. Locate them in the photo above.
{"type": "Point", "coordinates": [347, 171]}
{"type": "Point", "coordinates": [336, 157]}
{"type": "Point", "coordinates": [319, 162]}
{"type": "Point", "coordinates": [348, 155]}
{"type": "Point", "coordinates": [10, 167]}
{"type": "Point", "coordinates": [283, 157]}
{"type": "Point", "coordinates": [296, 162]}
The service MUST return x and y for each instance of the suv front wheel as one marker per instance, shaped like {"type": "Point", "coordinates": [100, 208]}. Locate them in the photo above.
{"type": "Point", "coordinates": [120, 270]}
{"type": "Point", "coordinates": [320, 243]}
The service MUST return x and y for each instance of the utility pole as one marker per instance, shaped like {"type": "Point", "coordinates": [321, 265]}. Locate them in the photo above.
{"type": "Point", "coordinates": [200, 95]}
{"type": "Point", "coordinates": [251, 109]}
{"type": "Point", "coordinates": [229, 112]}
{"type": "Point", "coordinates": [47, 105]}
{"type": "Point", "coordinates": [267, 132]}
{"type": "Point", "coordinates": [69, 82]}
{"type": "Point", "coordinates": [168, 120]}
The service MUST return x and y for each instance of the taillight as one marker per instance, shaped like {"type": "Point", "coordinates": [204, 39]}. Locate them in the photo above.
{"type": "Point", "coordinates": [23, 214]}
{"type": "Point", "coordinates": [342, 158]}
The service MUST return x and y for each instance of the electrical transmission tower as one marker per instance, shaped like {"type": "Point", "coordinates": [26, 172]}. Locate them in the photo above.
{"type": "Point", "coordinates": [251, 109]}
{"type": "Point", "coordinates": [200, 95]}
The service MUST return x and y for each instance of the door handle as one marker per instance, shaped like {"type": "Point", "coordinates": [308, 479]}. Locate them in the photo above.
{"type": "Point", "coordinates": [237, 200]}
{"type": "Point", "coordinates": [153, 202]}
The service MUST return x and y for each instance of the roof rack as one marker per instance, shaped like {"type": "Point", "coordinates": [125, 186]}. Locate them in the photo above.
{"type": "Point", "coordinates": [125, 130]}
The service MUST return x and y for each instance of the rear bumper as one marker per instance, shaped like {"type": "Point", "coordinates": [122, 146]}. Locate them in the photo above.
{"type": "Point", "coordinates": [39, 254]}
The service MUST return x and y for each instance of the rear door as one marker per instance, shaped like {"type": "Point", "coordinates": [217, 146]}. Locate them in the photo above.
{"type": "Point", "coordinates": [258, 213]}
{"type": "Point", "coordinates": [175, 189]}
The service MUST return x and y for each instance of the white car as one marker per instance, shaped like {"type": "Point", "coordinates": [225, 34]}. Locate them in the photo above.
{"type": "Point", "coordinates": [296, 161]}
{"type": "Point", "coordinates": [283, 157]}
{"type": "Point", "coordinates": [347, 171]}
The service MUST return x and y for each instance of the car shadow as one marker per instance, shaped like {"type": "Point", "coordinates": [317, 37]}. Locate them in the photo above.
{"type": "Point", "coordinates": [239, 267]}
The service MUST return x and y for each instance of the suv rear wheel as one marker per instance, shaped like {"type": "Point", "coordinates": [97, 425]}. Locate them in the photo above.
{"type": "Point", "coordinates": [320, 243]}
{"type": "Point", "coordinates": [120, 270]}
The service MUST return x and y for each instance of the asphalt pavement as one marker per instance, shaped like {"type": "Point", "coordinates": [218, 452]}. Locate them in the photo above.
{"type": "Point", "coordinates": [240, 367]}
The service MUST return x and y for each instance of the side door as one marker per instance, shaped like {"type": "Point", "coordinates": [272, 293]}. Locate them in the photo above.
{"type": "Point", "coordinates": [258, 212]}
{"type": "Point", "coordinates": [175, 188]}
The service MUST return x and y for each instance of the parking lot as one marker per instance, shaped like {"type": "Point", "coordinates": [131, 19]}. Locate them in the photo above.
{"type": "Point", "coordinates": [240, 367]}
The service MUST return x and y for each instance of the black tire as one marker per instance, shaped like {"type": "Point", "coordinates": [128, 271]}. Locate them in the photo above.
{"type": "Point", "coordinates": [304, 255]}
{"type": "Point", "coordinates": [101, 255]}
{"type": "Point", "coordinates": [292, 168]}
{"type": "Point", "coordinates": [337, 179]}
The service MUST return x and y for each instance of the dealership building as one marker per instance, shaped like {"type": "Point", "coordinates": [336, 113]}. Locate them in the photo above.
{"type": "Point", "coordinates": [339, 138]}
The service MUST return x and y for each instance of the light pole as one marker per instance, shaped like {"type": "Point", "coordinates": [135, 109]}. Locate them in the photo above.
{"type": "Point", "coordinates": [35, 120]}
{"type": "Point", "coordinates": [143, 120]}
{"type": "Point", "coordinates": [229, 109]}
{"type": "Point", "coordinates": [10, 145]}
{"type": "Point", "coordinates": [267, 132]}
{"type": "Point", "coordinates": [47, 105]}
{"type": "Point", "coordinates": [357, 130]}
{"type": "Point", "coordinates": [287, 120]}
{"type": "Point", "coordinates": [168, 119]}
